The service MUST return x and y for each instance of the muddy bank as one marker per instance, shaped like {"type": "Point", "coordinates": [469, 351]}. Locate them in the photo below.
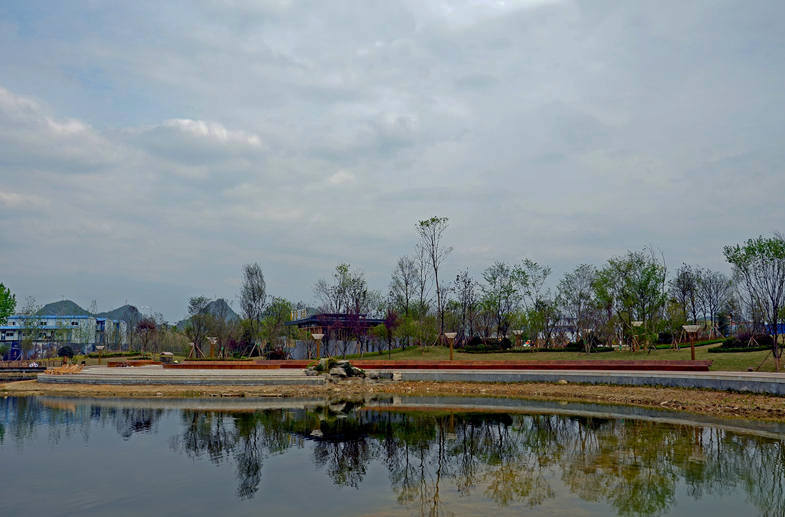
{"type": "Point", "coordinates": [714, 403]}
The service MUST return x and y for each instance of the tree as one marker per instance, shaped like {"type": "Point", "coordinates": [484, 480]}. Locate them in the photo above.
{"type": "Point", "coordinates": [253, 295]}
{"type": "Point", "coordinates": [501, 293]}
{"type": "Point", "coordinates": [759, 270]}
{"type": "Point", "coordinates": [274, 322]}
{"type": "Point", "coordinates": [465, 289]}
{"type": "Point", "coordinates": [431, 232]}
{"type": "Point", "coordinates": [576, 299]}
{"type": "Point", "coordinates": [7, 304]}
{"type": "Point", "coordinates": [391, 322]}
{"type": "Point", "coordinates": [403, 284]}
{"type": "Point", "coordinates": [146, 330]}
{"type": "Point", "coordinates": [714, 291]}
{"type": "Point", "coordinates": [632, 288]}
{"type": "Point", "coordinates": [684, 289]}
{"type": "Point", "coordinates": [31, 325]}
{"type": "Point", "coordinates": [199, 323]}
{"type": "Point", "coordinates": [541, 311]}
{"type": "Point", "coordinates": [422, 279]}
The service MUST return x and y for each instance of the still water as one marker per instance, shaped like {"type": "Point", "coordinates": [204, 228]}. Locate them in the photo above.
{"type": "Point", "coordinates": [426, 457]}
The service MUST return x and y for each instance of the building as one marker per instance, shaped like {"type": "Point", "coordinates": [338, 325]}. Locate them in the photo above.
{"type": "Point", "coordinates": [49, 332]}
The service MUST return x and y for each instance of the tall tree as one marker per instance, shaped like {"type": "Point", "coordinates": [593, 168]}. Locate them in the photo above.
{"type": "Point", "coordinates": [759, 269]}
{"type": "Point", "coordinates": [7, 303]}
{"type": "Point", "coordinates": [253, 295]}
{"type": "Point", "coordinates": [431, 233]}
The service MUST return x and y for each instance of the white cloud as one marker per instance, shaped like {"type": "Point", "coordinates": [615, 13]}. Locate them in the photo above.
{"type": "Point", "coordinates": [341, 178]}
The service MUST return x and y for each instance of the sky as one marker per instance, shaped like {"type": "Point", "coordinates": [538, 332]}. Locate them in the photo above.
{"type": "Point", "coordinates": [149, 149]}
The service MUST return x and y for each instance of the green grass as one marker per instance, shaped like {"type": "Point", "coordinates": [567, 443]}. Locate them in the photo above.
{"type": "Point", "coordinates": [720, 361]}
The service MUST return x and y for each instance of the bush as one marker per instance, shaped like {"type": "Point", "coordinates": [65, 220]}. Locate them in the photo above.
{"type": "Point", "coordinates": [277, 353]}
{"type": "Point", "coordinates": [741, 343]}
{"type": "Point", "coordinates": [131, 353]}
{"type": "Point", "coordinates": [65, 351]}
{"type": "Point", "coordinates": [665, 337]}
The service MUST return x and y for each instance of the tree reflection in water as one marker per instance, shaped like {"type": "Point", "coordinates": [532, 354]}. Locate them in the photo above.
{"type": "Point", "coordinates": [635, 466]}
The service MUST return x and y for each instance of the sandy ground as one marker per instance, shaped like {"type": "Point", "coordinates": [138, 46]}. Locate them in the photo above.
{"type": "Point", "coordinates": [705, 402]}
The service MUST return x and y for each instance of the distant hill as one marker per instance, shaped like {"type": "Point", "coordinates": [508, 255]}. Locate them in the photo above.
{"type": "Point", "coordinates": [62, 308]}
{"type": "Point", "coordinates": [217, 308]}
{"type": "Point", "coordinates": [127, 313]}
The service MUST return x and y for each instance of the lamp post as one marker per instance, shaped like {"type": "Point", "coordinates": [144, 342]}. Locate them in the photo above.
{"type": "Point", "coordinates": [318, 339]}
{"type": "Point", "coordinates": [692, 331]}
{"type": "Point", "coordinates": [450, 337]}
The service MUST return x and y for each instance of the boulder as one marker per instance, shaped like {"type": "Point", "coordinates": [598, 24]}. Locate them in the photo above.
{"type": "Point", "coordinates": [338, 372]}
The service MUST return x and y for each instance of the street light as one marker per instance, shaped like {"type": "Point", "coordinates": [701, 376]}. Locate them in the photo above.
{"type": "Point", "coordinates": [450, 337]}
{"type": "Point", "coordinates": [692, 331]}
{"type": "Point", "coordinates": [318, 339]}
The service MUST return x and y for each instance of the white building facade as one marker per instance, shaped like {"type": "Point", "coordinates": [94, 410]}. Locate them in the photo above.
{"type": "Point", "coordinates": [47, 332]}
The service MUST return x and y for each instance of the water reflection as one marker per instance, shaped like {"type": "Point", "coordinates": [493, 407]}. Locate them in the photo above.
{"type": "Point", "coordinates": [637, 467]}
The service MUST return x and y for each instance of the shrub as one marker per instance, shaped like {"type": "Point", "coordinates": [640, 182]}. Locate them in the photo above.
{"type": "Point", "coordinates": [665, 337]}
{"type": "Point", "coordinates": [65, 351]}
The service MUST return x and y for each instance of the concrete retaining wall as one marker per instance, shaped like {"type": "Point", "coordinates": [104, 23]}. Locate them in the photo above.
{"type": "Point", "coordinates": [726, 381]}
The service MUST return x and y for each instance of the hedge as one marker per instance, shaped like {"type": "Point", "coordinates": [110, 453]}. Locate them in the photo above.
{"type": "Point", "coordinates": [113, 354]}
{"type": "Point", "coordinates": [486, 350]}
{"type": "Point", "coordinates": [734, 350]}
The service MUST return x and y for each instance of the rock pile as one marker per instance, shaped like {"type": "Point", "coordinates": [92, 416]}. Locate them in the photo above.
{"type": "Point", "coordinates": [337, 369]}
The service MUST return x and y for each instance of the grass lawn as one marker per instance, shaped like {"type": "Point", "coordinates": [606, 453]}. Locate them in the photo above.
{"type": "Point", "coordinates": [726, 362]}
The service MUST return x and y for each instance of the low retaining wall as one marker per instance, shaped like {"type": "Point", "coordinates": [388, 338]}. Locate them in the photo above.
{"type": "Point", "coordinates": [725, 381]}
{"type": "Point", "coordinates": [131, 362]}
{"type": "Point", "coordinates": [224, 365]}
{"type": "Point", "coordinates": [599, 364]}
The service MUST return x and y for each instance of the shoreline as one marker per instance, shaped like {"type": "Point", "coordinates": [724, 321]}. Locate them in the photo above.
{"type": "Point", "coordinates": [702, 402]}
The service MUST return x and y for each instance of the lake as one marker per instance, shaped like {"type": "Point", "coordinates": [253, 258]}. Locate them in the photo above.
{"type": "Point", "coordinates": [415, 456]}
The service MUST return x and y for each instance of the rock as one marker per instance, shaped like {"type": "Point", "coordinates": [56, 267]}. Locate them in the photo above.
{"type": "Point", "coordinates": [310, 373]}
{"type": "Point", "coordinates": [396, 376]}
{"type": "Point", "coordinates": [562, 381]}
{"type": "Point", "coordinates": [338, 372]}
{"type": "Point", "coordinates": [317, 433]}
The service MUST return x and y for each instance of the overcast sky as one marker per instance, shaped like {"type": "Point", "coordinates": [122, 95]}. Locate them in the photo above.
{"type": "Point", "coordinates": [149, 149]}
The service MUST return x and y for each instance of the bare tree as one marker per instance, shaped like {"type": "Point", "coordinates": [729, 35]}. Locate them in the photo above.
{"type": "Point", "coordinates": [423, 278]}
{"type": "Point", "coordinates": [253, 295]}
{"type": "Point", "coordinates": [576, 299]}
{"type": "Point", "coordinates": [465, 289]}
{"type": "Point", "coordinates": [431, 232]}
{"type": "Point", "coordinates": [714, 291]}
{"type": "Point", "coordinates": [684, 289]}
{"type": "Point", "coordinates": [402, 285]}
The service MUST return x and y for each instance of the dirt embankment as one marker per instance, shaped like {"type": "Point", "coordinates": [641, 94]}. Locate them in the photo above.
{"type": "Point", "coordinates": [714, 403]}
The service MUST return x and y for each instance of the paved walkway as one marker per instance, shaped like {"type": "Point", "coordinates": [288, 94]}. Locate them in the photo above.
{"type": "Point", "coordinates": [769, 383]}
